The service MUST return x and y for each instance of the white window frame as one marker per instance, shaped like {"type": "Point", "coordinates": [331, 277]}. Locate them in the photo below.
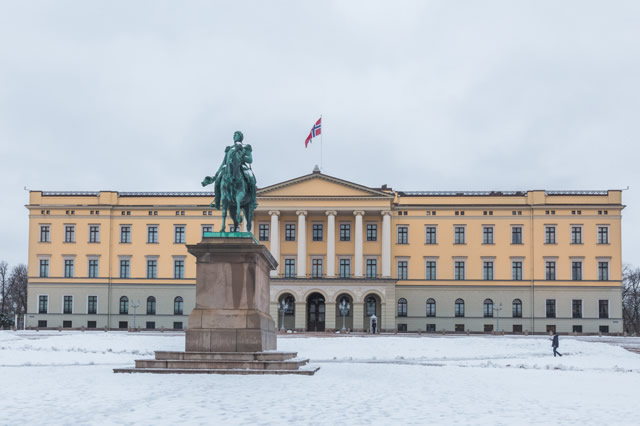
{"type": "Point", "coordinates": [64, 235]}
{"type": "Point", "coordinates": [430, 259]}
{"type": "Point", "coordinates": [598, 226]}
{"type": "Point", "coordinates": [184, 270]}
{"type": "Point", "coordinates": [323, 239]}
{"type": "Point", "coordinates": [463, 260]}
{"type": "Point", "coordinates": [491, 259]}
{"type": "Point", "coordinates": [517, 225]}
{"type": "Point", "coordinates": [493, 234]}
{"type": "Point", "coordinates": [553, 259]}
{"type": "Point", "coordinates": [573, 225]}
{"type": "Point", "coordinates": [202, 226]}
{"type": "Point", "coordinates": [350, 259]}
{"type": "Point", "coordinates": [175, 229]}
{"type": "Point", "coordinates": [428, 225]}
{"type": "Point", "coordinates": [40, 226]}
{"type": "Point", "coordinates": [295, 232]}
{"type": "Point", "coordinates": [72, 304]}
{"type": "Point", "coordinates": [130, 233]}
{"type": "Point", "coordinates": [89, 233]}
{"type": "Point", "coordinates": [517, 259]}
{"type": "Point", "coordinates": [268, 230]}
{"type": "Point", "coordinates": [146, 266]}
{"type": "Point", "coordinates": [403, 259]}
{"type": "Point", "coordinates": [402, 225]}
{"type": "Point", "coordinates": [603, 259]}
{"type": "Point", "coordinates": [324, 264]}
{"type": "Point", "coordinates": [369, 257]}
{"type": "Point", "coordinates": [555, 233]}
{"type": "Point", "coordinates": [284, 265]}
{"type": "Point", "coordinates": [91, 257]}
{"type": "Point", "coordinates": [120, 259]}
{"type": "Point", "coordinates": [64, 267]}
{"type": "Point", "coordinates": [347, 222]}
{"type": "Point", "coordinates": [464, 228]}
{"type": "Point", "coordinates": [366, 225]}
{"type": "Point", "coordinates": [97, 304]}
{"type": "Point", "coordinates": [38, 304]}
{"type": "Point", "coordinates": [44, 257]}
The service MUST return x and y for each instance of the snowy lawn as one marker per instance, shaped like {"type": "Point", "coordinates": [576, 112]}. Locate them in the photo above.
{"type": "Point", "coordinates": [66, 378]}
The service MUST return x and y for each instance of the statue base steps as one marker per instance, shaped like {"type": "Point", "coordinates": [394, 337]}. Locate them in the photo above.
{"type": "Point", "coordinates": [222, 363]}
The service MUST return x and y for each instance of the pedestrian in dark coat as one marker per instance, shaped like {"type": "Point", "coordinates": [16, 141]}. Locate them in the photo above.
{"type": "Point", "coordinates": [555, 344]}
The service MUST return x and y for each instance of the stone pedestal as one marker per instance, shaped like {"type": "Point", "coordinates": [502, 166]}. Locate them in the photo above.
{"type": "Point", "coordinates": [232, 297]}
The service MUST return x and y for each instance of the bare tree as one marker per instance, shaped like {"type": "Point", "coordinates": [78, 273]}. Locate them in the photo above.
{"type": "Point", "coordinates": [631, 299]}
{"type": "Point", "coordinates": [17, 289]}
{"type": "Point", "coordinates": [4, 281]}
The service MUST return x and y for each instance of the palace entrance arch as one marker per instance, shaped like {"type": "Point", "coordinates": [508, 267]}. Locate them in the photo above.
{"type": "Point", "coordinates": [315, 312]}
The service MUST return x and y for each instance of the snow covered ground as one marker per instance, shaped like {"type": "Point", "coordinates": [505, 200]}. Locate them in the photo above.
{"type": "Point", "coordinates": [67, 378]}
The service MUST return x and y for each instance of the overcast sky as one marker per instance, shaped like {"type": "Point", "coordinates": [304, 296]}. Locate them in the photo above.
{"type": "Point", "coordinates": [419, 95]}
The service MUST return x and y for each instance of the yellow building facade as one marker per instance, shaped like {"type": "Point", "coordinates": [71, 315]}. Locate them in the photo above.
{"type": "Point", "coordinates": [457, 261]}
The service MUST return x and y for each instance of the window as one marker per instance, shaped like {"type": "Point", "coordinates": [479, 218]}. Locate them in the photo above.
{"type": "Point", "coordinates": [550, 235]}
{"type": "Point", "coordinates": [431, 308]}
{"type": "Point", "coordinates": [603, 271]}
{"type": "Point", "coordinates": [43, 304]}
{"type": "Point", "coordinates": [316, 268]}
{"type": "Point", "coordinates": [150, 325]}
{"type": "Point", "coordinates": [124, 305]}
{"type": "Point", "coordinates": [178, 269]}
{"type": "Point", "coordinates": [488, 328]}
{"type": "Point", "coordinates": [92, 305]}
{"type": "Point", "coordinates": [516, 311]}
{"type": "Point", "coordinates": [93, 268]}
{"type": "Point", "coordinates": [263, 232]}
{"type": "Point", "coordinates": [290, 232]}
{"type": "Point", "coordinates": [177, 325]}
{"type": "Point", "coordinates": [206, 228]}
{"type": "Point", "coordinates": [372, 268]}
{"type": "Point", "coordinates": [487, 271]}
{"type": "Point", "coordinates": [70, 234]}
{"type": "Point", "coordinates": [179, 234]}
{"type": "Point", "coordinates": [603, 235]}
{"type": "Point", "coordinates": [517, 328]}
{"type": "Point", "coordinates": [576, 308]}
{"type": "Point", "coordinates": [124, 268]}
{"type": "Point", "coordinates": [458, 235]}
{"type": "Point", "coordinates": [402, 327]}
{"type": "Point", "coordinates": [550, 268]}
{"type": "Point", "coordinates": [551, 308]}
{"type": "Point", "coordinates": [576, 235]}
{"type": "Point", "coordinates": [403, 269]}
{"type": "Point", "coordinates": [576, 271]}
{"type": "Point", "coordinates": [151, 306]}
{"type": "Point", "coordinates": [94, 233]}
{"type": "Point", "coordinates": [92, 324]}
{"type": "Point", "coordinates": [68, 268]}
{"type": "Point", "coordinates": [487, 235]}
{"type": "Point", "coordinates": [125, 234]}
{"type": "Point", "coordinates": [431, 328]}
{"type": "Point", "coordinates": [372, 232]}
{"type": "Point", "coordinates": [402, 307]}
{"type": "Point", "coordinates": [459, 328]}
{"type": "Point", "coordinates": [371, 306]}
{"type": "Point", "coordinates": [603, 308]}
{"type": "Point", "coordinates": [289, 268]}
{"type": "Point", "coordinates": [459, 308]}
{"type": "Point", "coordinates": [345, 268]}
{"type": "Point", "coordinates": [178, 306]}
{"type": "Point", "coordinates": [152, 234]}
{"type": "Point", "coordinates": [45, 234]}
{"type": "Point", "coordinates": [345, 232]}
{"type": "Point", "coordinates": [152, 268]}
{"type": "Point", "coordinates": [602, 328]}
{"type": "Point", "coordinates": [458, 270]}
{"type": "Point", "coordinates": [577, 329]}
{"type": "Point", "coordinates": [123, 324]}
{"type": "Point", "coordinates": [316, 232]}
{"type": "Point", "coordinates": [67, 305]}
{"type": "Point", "coordinates": [44, 268]}
{"type": "Point", "coordinates": [516, 235]}
{"type": "Point", "coordinates": [488, 308]}
{"type": "Point", "coordinates": [431, 269]}
{"type": "Point", "coordinates": [431, 236]}
{"type": "Point", "coordinates": [403, 235]}
{"type": "Point", "coordinates": [67, 324]}
{"type": "Point", "coordinates": [516, 271]}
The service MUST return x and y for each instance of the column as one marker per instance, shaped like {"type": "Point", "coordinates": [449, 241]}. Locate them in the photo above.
{"type": "Point", "coordinates": [358, 316]}
{"type": "Point", "coordinates": [358, 242]}
{"type": "Point", "coordinates": [302, 244]}
{"type": "Point", "coordinates": [330, 316]}
{"type": "Point", "coordinates": [331, 243]}
{"type": "Point", "coordinates": [301, 315]}
{"type": "Point", "coordinates": [386, 244]}
{"type": "Point", "coordinates": [275, 239]}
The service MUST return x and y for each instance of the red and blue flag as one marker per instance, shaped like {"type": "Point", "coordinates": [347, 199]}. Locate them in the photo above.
{"type": "Point", "coordinates": [315, 131]}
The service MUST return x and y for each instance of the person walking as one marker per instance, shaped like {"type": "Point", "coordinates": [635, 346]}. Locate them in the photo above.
{"type": "Point", "coordinates": [555, 344]}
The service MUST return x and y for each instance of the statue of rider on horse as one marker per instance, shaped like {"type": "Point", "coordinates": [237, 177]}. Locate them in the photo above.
{"type": "Point", "coordinates": [235, 184]}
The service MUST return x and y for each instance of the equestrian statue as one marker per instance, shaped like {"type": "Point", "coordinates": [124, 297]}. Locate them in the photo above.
{"type": "Point", "coordinates": [235, 184]}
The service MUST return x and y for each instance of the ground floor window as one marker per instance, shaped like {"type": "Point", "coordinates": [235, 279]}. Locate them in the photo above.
{"type": "Point", "coordinates": [459, 327]}
{"type": "Point", "coordinates": [577, 329]}
{"type": "Point", "coordinates": [123, 324]}
{"type": "Point", "coordinates": [551, 328]}
{"type": "Point", "coordinates": [66, 324]}
{"type": "Point", "coordinates": [151, 324]}
{"type": "Point", "coordinates": [488, 328]}
{"type": "Point", "coordinates": [517, 328]}
{"type": "Point", "coordinates": [604, 329]}
{"type": "Point", "coordinates": [431, 327]}
{"type": "Point", "coordinates": [91, 324]}
{"type": "Point", "coordinates": [177, 325]}
{"type": "Point", "coordinates": [42, 323]}
{"type": "Point", "coordinates": [402, 327]}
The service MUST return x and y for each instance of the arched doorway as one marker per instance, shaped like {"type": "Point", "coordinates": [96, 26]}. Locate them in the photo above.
{"type": "Point", "coordinates": [289, 313]}
{"type": "Point", "coordinates": [315, 312]}
{"type": "Point", "coordinates": [372, 305]}
{"type": "Point", "coordinates": [348, 319]}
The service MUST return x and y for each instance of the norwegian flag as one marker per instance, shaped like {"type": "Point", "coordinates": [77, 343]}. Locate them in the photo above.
{"type": "Point", "coordinates": [315, 131]}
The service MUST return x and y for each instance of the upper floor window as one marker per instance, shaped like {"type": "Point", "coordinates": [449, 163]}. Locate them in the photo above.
{"type": "Point", "coordinates": [516, 235]}
{"type": "Point", "coordinates": [372, 232]}
{"type": "Point", "coordinates": [152, 268]}
{"type": "Point", "coordinates": [152, 234]}
{"type": "Point", "coordinates": [488, 308]}
{"type": "Point", "coordinates": [178, 268]}
{"type": "Point", "coordinates": [45, 234]}
{"type": "Point", "coordinates": [576, 271]}
{"type": "Point", "coordinates": [124, 268]}
{"type": "Point", "coordinates": [93, 268]}
{"type": "Point", "coordinates": [94, 233]}
{"type": "Point", "coordinates": [431, 307]}
{"type": "Point", "coordinates": [487, 270]}
{"type": "Point", "coordinates": [345, 232]}
{"type": "Point", "coordinates": [317, 231]}
{"type": "Point", "coordinates": [459, 235]}
{"type": "Point", "coordinates": [459, 308]}
{"type": "Point", "coordinates": [550, 270]}
{"type": "Point", "coordinates": [402, 307]}
{"type": "Point", "coordinates": [516, 271]}
{"type": "Point", "coordinates": [487, 235]}
{"type": "Point", "coordinates": [289, 268]}
{"type": "Point", "coordinates": [179, 234]}
{"type": "Point", "coordinates": [403, 269]}
{"type": "Point", "coordinates": [316, 268]}
{"type": "Point", "coordinates": [550, 235]}
{"type": "Point", "coordinates": [68, 268]}
{"type": "Point", "coordinates": [125, 234]}
{"type": "Point", "coordinates": [345, 268]}
{"type": "Point", "coordinates": [92, 305]}
{"type": "Point", "coordinates": [403, 235]}
{"type": "Point", "coordinates": [458, 270]}
{"type": "Point", "coordinates": [576, 235]}
{"type": "Point", "coordinates": [44, 268]}
{"type": "Point", "coordinates": [124, 305]}
{"type": "Point", "coordinates": [178, 306]}
{"type": "Point", "coordinates": [431, 235]}
{"type": "Point", "coordinates": [43, 304]}
{"type": "Point", "coordinates": [603, 271]}
{"type": "Point", "coordinates": [290, 232]}
{"type": "Point", "coordinates": [206, 228]}
{"type": "Point", "coordinates": [603, 308]}
{"type": "Point", "coordinates": [69, 234]}
{"type": "Point", "coordinates": [603, 235]}
{"type": "Point", "coordinates": [263, 232]}
{"type": "Point", "coordinates": [516, 311]}
{"type": "Point", "coordinates": [551, 308]}
{"type": "Point", "coordinates": [67, 305]}
{"type": "Point", "coordinates": [576, 308]}
{"type": "Point", "coordinates": [431, 269]}
{"type": "Point", "coordinates": [372, 268]}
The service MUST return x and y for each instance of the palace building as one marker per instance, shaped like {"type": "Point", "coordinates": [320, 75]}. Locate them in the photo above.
{"type": "Point", "coordinates": [474, 261]}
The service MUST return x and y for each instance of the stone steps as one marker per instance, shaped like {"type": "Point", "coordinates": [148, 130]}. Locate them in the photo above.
{"type": "Point", "coordinates": [221, 364]}
{"type": "Point", "coordinates": [305, 372]}
{"type": "Point", "coordinates": [233, 356]}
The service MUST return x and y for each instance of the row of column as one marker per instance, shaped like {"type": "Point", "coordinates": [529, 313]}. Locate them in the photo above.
{"type": "Point", "coordinates": [301, 263]}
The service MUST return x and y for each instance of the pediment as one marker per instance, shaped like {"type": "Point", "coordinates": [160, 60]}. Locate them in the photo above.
{"type": "Point", "coordinates": [320, 185]}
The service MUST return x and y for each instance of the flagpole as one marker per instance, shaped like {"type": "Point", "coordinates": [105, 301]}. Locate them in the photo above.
{"type": "Point", "coordinates": [321, 132]}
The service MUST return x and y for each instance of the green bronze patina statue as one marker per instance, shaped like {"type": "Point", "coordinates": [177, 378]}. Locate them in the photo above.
{"type": "Point", "coordinates": [235, 184]}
